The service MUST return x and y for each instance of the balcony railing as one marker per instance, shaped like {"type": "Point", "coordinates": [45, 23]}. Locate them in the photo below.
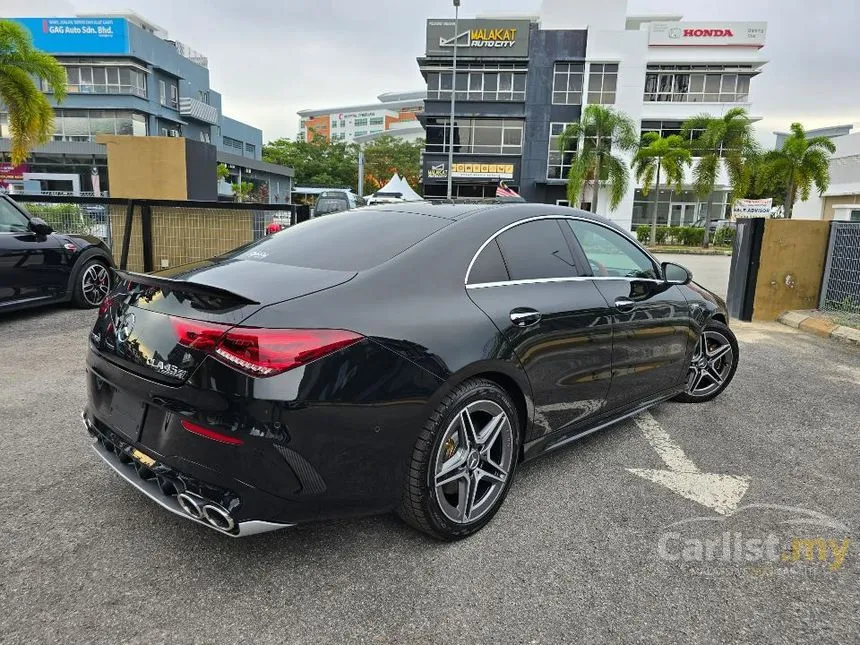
{"type": "Point", "coordinates": [198, 110]}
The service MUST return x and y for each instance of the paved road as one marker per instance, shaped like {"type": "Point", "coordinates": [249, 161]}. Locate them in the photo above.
{"type": "Point", "coordinates": [573, 556]}
{"type": "Point", "coordinates": [710, 271]}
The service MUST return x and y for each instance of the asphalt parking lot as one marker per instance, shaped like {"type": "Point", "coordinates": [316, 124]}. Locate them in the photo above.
{"type": "Point", "coordinates": [584, 550]}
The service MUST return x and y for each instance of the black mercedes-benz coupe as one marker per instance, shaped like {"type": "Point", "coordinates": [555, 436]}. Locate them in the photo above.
{"type": "Point", "coordinates": [403, 357]}
{"type": "Point", "coordinates": [38, 266]}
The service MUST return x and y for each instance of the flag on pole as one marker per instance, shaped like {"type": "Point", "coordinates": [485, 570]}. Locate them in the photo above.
{"type": "Point", "coordinates": [503, 191]}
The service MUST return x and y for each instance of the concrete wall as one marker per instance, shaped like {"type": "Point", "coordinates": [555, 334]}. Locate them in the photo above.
{"type": "Point", "coordinates": [146, 167]}
{"type": "Point", "coordinates": [791, 266]}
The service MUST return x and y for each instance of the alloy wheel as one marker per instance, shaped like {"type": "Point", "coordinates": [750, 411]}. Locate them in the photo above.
{"type": "Point", "coordinates": [473, 461]}
{"type": "Point", "coordinates": [95, 284]}
{"type": "Point", "coordinates": [711, 365]}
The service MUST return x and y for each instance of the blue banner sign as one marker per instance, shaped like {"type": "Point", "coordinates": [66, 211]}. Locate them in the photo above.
{"type": "Point", "coordinates": [78, 35]}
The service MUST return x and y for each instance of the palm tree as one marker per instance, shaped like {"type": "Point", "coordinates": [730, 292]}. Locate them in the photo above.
{"type": "Point", "coordinates": [801, 162]}
{"type": "Point", "coordinates": [600, 132]}
{"type": "Point", "coordinates": [31, 117]}
{"type": "Point", "coordinates": [726, 140]}
{"type": "Point", "coordinates": [667, 154]}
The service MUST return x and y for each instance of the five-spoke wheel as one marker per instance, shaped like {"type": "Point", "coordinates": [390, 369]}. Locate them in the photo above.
{"type": "Point", "coordinates": [713, 364]}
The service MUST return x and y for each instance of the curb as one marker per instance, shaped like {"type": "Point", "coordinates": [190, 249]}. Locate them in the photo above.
{"type": "Point", "coordinates": [820, 327]}
{"type": "Point", "coordinates": [659, 250]}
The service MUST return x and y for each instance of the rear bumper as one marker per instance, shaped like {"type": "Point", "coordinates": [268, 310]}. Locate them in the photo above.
{"type": "Point", "coordinates": [161, 483]}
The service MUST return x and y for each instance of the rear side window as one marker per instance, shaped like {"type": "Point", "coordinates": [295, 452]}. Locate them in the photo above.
{"type": "Point", "coordinates": [328, 205]}
{"type": "Point", "coordinates": [489, 266]}
{"type": "Point", "coordinates": [343, 241]}
{"type": "Point", "coordinates": [537, 250]}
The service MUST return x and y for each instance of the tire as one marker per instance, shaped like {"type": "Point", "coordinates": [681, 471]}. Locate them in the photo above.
{"type": "Point", "coordinates": [466, 434]}
{"type": "Point", "coordinates": [707, 375]}
{"type": "Point", "coordinates": [94, 272]}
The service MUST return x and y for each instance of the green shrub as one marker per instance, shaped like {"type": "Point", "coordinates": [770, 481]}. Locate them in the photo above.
{"type": "Point", "coordinates": [643, 233]}
{"type": "Point", "coordinates": [725, 236]}
{"type": "Point", "coordinates": [662, 234]}
{"type": "Point", "coordinates": [689, 235]}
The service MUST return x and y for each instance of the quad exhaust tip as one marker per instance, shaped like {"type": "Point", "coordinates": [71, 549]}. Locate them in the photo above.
{"type": "Point", "coordinates": [205, 511]}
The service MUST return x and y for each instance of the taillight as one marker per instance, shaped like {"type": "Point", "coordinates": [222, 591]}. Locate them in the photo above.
{"type": "Point", "coordinates": [208, 433]}
{"type": "Point", "coordinates": [261, 352]}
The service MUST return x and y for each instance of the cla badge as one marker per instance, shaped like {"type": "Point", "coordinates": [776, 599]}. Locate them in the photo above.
{"type": "Point", "coordinates": [166, 368]}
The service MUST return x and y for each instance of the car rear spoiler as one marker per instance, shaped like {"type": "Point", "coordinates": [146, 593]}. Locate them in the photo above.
{"type": "Point", "coordinates": [183, 286]}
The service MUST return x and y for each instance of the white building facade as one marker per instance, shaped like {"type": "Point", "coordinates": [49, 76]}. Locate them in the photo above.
{"type": "Point", "coordinates": [668, 71]}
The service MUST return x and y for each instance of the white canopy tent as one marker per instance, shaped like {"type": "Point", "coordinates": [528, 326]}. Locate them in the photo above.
{"type": "Point", "coordinates": [397, 188]}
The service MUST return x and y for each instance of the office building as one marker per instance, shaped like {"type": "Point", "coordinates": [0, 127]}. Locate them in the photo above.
{"type": "Point", "coordinates": [345, 123]}
{"type": "Point", "coordinates": [126, 76]}
{"type": "Point", "coordinates": [521, 81]}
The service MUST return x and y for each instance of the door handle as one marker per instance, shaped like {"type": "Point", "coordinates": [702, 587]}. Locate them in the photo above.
{"type": "Point", "coordinates": [524, 317]}
{"type": "Point", "coordinates": [625, 304]}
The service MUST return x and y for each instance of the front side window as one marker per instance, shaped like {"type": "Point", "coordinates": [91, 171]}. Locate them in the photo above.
{"type": "Point", "coordinates": [537, 250]}
{"type": "Point", "coordinates": [611, 254]}
{"type": "Point", "coordinates": [11, 220]}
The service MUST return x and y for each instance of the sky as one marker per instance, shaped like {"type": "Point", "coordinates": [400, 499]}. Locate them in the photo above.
{"type": "Point", "coordinates": [271, 58]}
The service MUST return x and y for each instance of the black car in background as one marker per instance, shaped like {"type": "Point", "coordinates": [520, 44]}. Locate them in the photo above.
{"type": "Point", "coordinates": [39, 266]}
{"type": "Point", "coordinates": [406, 360]}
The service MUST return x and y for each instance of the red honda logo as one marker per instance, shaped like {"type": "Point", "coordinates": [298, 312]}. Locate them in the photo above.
{"type": "Point", "coordinates": [708, 33]}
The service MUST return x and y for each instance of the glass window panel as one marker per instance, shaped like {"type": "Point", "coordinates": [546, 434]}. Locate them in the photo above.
{"type": "Point", "coordinates": [608, 98]}
{"type": "Point", "coordinates": [513, 137]}
{"type": "Point", "coordinates": [562, 67]}
{"type": "Point", "coordinates": [75, 123]}
{"type": "Point", "coordinates": [99, 77]}
{"type": "Point", "coordinates": [124, 123]}
{"type": "Point", "coordinates": [491, 82]}
{"type": "Point", "coordinates": [609, 82]}
{"type": "Point", "coordinates": [574, 83]}
{"type": "Point", "coordinates": [610, 253]}
{"type": "Point", "coordinates": [697, 83]}
{"type": "Point", "coordinates": [743, 84]}
{"type": "Point", "coordinates": [86, 75]}
{"type": "Point", "coordinates": [559, 82]}
{"type": "Point", "coordinates": [537, 250]}
{"type": "Point", "coordinates": [475, 81]}
{"type": "Point", "coordinates": [519, 82]}
{"type": "Point", "coordinates": [594, 97]}
{"type": "Point", "coordinates": [506, 82]}
{"type": "Point", "coordinates": [462, 81]}
{"type": "Point", "coordinates": [102, 124]}
{"type": "Point", "coordinates": [712, 83]}
{"type": "Point", "coordinates": [74, 75]}
{"type": "Point", "coordinates": [138, 124]}
{"type": "Point", "coordinates": [558, 98]}
{"type": "Point", "coordinates": [611, 68]}
{"type": "Point", "coordinates": [446, 81]}
{"type": "Point", "coordinates": [729, 81]}
{"type": "Point", "coordinates": [432, 81]}
{"type": "Point", "coordinates": [651, 83]}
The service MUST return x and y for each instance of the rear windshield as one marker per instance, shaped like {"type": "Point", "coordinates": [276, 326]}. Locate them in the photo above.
{"type": "Point", "coordinates": [327, 205]}
{"type": "Point", "coordinates": [348, 241]}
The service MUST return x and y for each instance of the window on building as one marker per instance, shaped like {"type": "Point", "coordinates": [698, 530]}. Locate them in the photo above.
{"type": "Point", "coordinates": [4, 126]}
{"type": "Point", "coordinates": [162, 92]}
{"type": "Point", "coordinates": [377, 121]}
{"type": "Point", "coordinates": [251, 149]}
{"type": "Point", "coordinates": [668, 128]}
{"type": "Point", "coordinates": [230, 142]}
{"type": "Point", "coordinates": [698, 83]}
{"type": "Point", "coordinates": [854, 216]}
{"type": "Point", "coordinates": [490, 84]}
{"type": "Point", "coordinates": [103, 79]}
{"type": "Point", "coordinates": [360, 122]}
{"type": "Point", "coordinates": [602, 83]}
{"type": "Point", "coordinates": [85, 125]}
{"type": "Point", "coordinates": [558, 163]}
{"type": "Point", "coordinates": [174, 96]}
{"type": "Point", "coordinates": [476, 136]}
{"type": "Point", "coordinates": [204, 136]}
{"type": "Point", "coordinates": [204, 96]}
{"type": "Point", "coordinates": [567, 83]}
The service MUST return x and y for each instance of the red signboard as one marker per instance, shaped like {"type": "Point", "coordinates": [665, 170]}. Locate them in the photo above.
{"type": "Point", "coordinates": [8, 172]}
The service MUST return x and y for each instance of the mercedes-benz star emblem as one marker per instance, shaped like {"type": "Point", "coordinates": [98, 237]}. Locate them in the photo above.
{"type": "Point", "coordinates": [124, 330]}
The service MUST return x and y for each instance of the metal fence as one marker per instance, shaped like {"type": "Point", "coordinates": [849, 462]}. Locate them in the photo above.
{"type": "Point", "coordinates": [147, 235]}
{"type": "Point", "coordinates": [840, 288]}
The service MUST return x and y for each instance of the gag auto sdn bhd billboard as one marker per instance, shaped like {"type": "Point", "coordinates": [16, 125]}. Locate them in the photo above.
{"type": "Point", "coordinates": [478, 38]}
{"type": "Point", "coordinates": [78, 35]}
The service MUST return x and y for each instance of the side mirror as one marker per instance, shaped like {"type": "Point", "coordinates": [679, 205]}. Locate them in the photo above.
{"type": "Point", "coordinates": [675, 273]}
{"type": "Point", "coordinates": [40, 226]}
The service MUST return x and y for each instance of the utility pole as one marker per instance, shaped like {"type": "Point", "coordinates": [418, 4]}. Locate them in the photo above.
{"type": "Point", "coordinates": [453, 92]}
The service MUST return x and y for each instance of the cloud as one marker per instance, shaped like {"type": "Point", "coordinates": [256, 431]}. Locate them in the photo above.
{"type": "Point", "coordinates": [272, 58]}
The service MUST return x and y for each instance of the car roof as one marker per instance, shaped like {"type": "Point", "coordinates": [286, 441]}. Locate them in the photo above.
{"type": "Point", "coordinates": [514, 210]}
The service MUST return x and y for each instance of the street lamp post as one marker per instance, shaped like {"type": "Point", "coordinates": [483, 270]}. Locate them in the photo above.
{"type": "Point", "coordinates": [453, 88]}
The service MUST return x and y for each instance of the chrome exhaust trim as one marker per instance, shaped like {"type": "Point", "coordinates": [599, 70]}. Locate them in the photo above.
{"type": "Point", "coordinates": [151, 490]}
{"type": "Point", "coordinates": [190, 505]}
{"type": "Point", "coordinates": [218, 517]}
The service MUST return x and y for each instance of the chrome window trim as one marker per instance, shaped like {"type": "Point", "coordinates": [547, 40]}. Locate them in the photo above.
{"type": "Point", "coordinates": [567, 279]}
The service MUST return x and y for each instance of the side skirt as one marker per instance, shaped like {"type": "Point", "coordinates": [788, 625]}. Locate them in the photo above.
{"type": "Point", "coordinates": [551, 442]}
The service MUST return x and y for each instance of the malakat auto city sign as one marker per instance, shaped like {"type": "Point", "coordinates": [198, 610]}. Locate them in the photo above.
{"type": "Point", "coordinates": [708, 34]}
{"type": "Point", "coordinates": [478, 38]}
